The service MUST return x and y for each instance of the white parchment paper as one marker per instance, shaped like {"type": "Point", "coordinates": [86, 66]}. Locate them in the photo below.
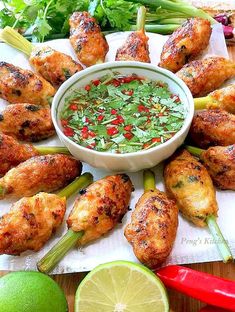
{"type": "Point", "coordinates": [192, 244]}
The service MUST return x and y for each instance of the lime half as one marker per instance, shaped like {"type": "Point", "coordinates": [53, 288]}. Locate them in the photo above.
{"type": "Point", "coordinates": [121, 286]}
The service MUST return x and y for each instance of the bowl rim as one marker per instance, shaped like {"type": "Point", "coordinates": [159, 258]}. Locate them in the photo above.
{"type": "Point", "coordinates": [109, 65]}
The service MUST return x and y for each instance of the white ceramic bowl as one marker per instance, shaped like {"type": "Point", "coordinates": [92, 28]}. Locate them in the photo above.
{"type": "Point", "coordinates": [129, 161]}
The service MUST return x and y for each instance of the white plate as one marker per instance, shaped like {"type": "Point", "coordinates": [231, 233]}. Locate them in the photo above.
{"type": "Point", "coordinates": [192, 244]}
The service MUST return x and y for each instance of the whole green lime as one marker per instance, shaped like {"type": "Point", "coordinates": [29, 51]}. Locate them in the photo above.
{"type": "Point", "coordinates": [30, 292]}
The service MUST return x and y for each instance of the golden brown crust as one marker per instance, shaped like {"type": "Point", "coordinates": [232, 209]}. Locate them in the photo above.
{"type": "Point", "coordinates": [153, 228]}
{"type": "Point", "coordinates": [212, 127]}
{"type": "Point", "coordinates": [39, 174]}
{"type": "Point", "coordinates": [204, 76]}
{"type": "Point", "coordinates": [27, 122]}
{"type": "Point", "coordinates": [188, 182]}
{"type": "Point", "coordinates": [187, 42]}
{"type": "Point", "coordinates": [135, 48]}
{"type": "Point", "coordinates": [30, 223]}
{"type": "Point", "coordinates": [12, 153]}
{"type": "Point", "coordinates": [101, 206]}
{"type": "Point", "coordinates": [220, 163]}
{"type": "Point", "coordinates": [54, 66]}
{"type": "Point", "coordinates": [87, 39]}
{"type": "Point", "coordinates": [225, 97]}
{"type": "Point", "coordinates": [19, 85]}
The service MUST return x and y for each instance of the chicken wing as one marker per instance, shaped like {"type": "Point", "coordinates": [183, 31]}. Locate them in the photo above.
{"type": "Point", "coordinates": [153, 228]}
{"type": "Point", "coordinates": [188, 182]}
{"type": "Point", "coordinates": [204, 76]}
{"type": "Point", "coordinates": [54, 66]}
{"type": "Point", "coordinates": [220, 163]}
{"type": "Point", "coordinates": [100, 207]}
{"type": "Point", "coordinates": [39, 174]}
{"type": "Point", "coordinates": [30, 223]}
{"type": "Point", "coordinates": [19, 85]}
{"type": "Point", "coordinates": [87, 39]}
{"type": "Point", "coordinates": [13, 153]}
{"type": "Point", "coordinates": [212, 127]}
{"type": "Point", "coordinates": [27, 122]}
{"type": "Point", "coordinates": [186, 42]}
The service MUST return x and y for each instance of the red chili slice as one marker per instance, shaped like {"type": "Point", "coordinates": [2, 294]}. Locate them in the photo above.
{"type": "Point", "coordinates": [116, 83]}
{"type": "Point", "coordinates": [112, 131]}
{"type": "Point", "coordinates": [64, 122]}
{"type": "Point", "coordinates": [100, 117]}
{"type": "Point", "coordinates": [156, 140]}
{"type": "Point", "coordinates": [96, 82]}
{"type": "Point", "coordinates": [73, 107]}
{"type": "Point", "coordinates": [92, 134]}
{"type": "Point", "coordinates": [113, 111]}
{"type": "Point", "coordinates": [128, 135]}
{"type": "Point", "coordinates": [87, 87]}
{"type": "Point", "coordinates": [128, 128]}
{"type": "Point", "coordinates": [84, 129]}
{"type": "Point", "coordinates": [142, 108]}
{"type": "Point", "coordinates": [68, 131]}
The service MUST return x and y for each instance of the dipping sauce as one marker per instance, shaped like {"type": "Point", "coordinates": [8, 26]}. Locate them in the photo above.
{"type": "Point", "coordinates": [122, 114]}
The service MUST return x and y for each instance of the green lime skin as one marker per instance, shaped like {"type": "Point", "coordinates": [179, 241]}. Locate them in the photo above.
{"type": "Point", "coordinates": [27, 291]}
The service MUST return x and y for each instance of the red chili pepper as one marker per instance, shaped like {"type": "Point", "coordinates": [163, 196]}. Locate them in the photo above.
{"type": "Point", "coordinates": [128, 135]}
{"type": "Point", "coordinates": [96, 82]}
{"type": "Point", "coordinates": [100, 117]}
{"type": "Point", "coordinates": [128, 128]}
{"type": "Point", "coordinates": [142, 108]}
{"type": "Point", "coordinates": [87, 120]}
{"type": "Point", "coordinates": [87, 87]}
{"type": "Point", "coordinates": [111, 131]}
{"type": "Point", "coordinates": [85, 135]}
{"type": "Point", "coordinates": [156, 140]}
{"type": "Point", "coordinates": [116, 83]}
{"type": "Point", "coordinates": [202, 286]}
{"type": "Point", "coordinates": [160, 114]}
{"type": "Point", "coordinates": [113, 111]}
{"type": "Point", "coordinates": [73, 107]}
{"type": "Point", "coordinates": [64, 122]}
{"type": "Point", "coordinates": [68, 132]}
{"type": "Point", "coordinates": [115, 122]}
{"type": "Point", "coordinates": [146, 145]}
{"type": "Point", "coordinates": [92, 134]}
{"type": "Point", "coordinates": [84, 129]}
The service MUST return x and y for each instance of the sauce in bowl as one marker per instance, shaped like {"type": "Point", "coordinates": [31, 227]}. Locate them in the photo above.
{"type": "Point", "coordinates": [122, 114]}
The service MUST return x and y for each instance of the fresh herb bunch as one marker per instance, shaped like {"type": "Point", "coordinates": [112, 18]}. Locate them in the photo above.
{"type": "Point", "coordinates": [48, 19]}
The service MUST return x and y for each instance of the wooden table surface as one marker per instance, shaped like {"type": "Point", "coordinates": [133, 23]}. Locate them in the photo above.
{"type": "Point", "coordinates": [178, 302]}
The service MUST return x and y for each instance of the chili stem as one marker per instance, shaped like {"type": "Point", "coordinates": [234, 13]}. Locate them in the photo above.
{"type": "Point", "coordinates": [51, 259]}
{"type": "Point", "coordinates": [202, 103]}
{"type": "Point", "coordinates": [194, 150]}
{"type": "Point", "coordinates": [44, 150]}
{"type": "Point", "coordinates": [219, 239]}
{"type": "Point", "coordinates": [149, 180]}
{"type": "Point", "coordinates": [14, 39]}
{"type": "Point", "coordinates": [79, 183]}
{"type": "Point", "coordinates": [141, 18]}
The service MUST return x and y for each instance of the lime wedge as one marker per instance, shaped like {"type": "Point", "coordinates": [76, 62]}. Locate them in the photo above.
{"type": "Point", "coordinates": [121, 286]}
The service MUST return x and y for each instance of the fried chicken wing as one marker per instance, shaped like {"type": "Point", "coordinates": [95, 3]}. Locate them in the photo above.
{"type": "Point", "coordinates": [220, 163]}
{"type": "Point", "coordinates": [27, 122]}
{"type": "Point", "coordinates": [153, 228]}
{"type": "Point", "coordinates": [100, 207]}
{"type": "Point", "coordinates": [39, 174]}
{"type": "Point", "coordinates": [212, 127]}
{"type": "Point", "coordinates": [30, 223]}
{"type": "Point", "coordinates": [87, 39]}
{"type": "Point", "coordinates": [136, 46]}
{"type": "Point", "coordinates": [186, 42]}
{"type": "Point", "coordinates": [54, 66]}
{"type": "Point", "coordinates": [204, 76]}
{"type": "Point", "coordinates": [188, 182]}
{"type": "Point", "coordinates": [13, 153]}
{"type": "Point", "coordinates": [19, 85]}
